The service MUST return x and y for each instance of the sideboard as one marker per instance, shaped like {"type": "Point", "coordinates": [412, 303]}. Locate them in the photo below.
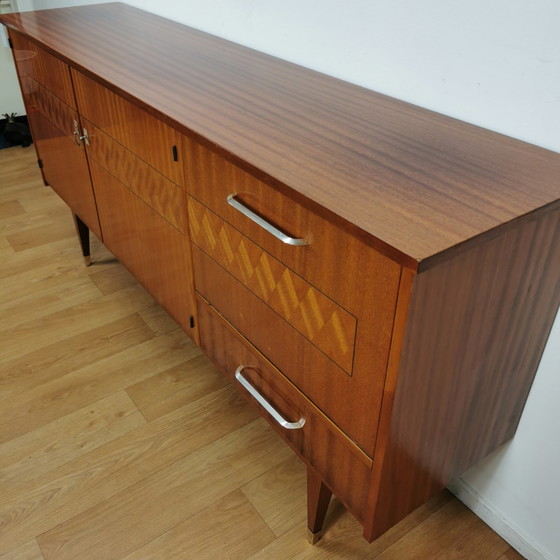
{"type": "Point", "coordinates": [378, 279]}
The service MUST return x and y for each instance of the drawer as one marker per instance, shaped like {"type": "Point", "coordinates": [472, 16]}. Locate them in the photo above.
{"type": "Point", "coordinates": [150, 139]}
{"type": "Point", "coordinates": [164, 196]}
{"type": "Point", "coordinates": [317, 441]}
{"type": "Point", "coordinates": [51, 72]}
{"type": "Point", "coordinates": [334, 261]}
{"type": "Point", "coordinates": [351, 402]}
{"type": "Point", "coordinates": [318, 318]}
{"type": "Point", "coordinates": [39, 98]}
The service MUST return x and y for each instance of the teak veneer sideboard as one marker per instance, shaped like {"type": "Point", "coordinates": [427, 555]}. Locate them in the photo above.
{"type": "Point", "coordinates": [378, 279]}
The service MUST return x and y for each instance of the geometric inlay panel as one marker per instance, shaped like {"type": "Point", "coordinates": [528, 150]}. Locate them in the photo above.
{"type": "Point", "coordinates": [318, 318]}
{"type": "Point", "coordinates": [161, 194]}
{"type": "Point", "coordinates": [39, 98]}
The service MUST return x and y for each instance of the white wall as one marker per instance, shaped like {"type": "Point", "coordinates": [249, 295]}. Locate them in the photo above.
{"type": "Point", "coordinates": [520, 480]}
{"type": "Point", "coordinates": [490, 62]}
{"type": "Point", "coordinates": [10, 96]}
{"type": "Point", "coordinates": [495, 63]}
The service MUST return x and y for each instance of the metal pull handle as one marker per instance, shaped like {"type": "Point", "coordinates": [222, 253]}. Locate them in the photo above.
{"type": "Point", "coordinates": [85, 137]}
{"type": "Point", "coordinates": [232, 201]}
{"type": "Point", "coordinates": [79, 137]}
{"type": "Point", "coordinates": [266, 405]}
{"type": "Point", "coordinates": [76, 134]}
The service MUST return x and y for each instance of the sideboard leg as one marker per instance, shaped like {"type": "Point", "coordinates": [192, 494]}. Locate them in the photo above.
{"type": "Point", "coordinates": [318, 499]}
{"type": "Point", "coordinates": [83, 235]}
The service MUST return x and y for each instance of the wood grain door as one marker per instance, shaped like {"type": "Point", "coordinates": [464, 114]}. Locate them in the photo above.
{"type": "Point", "coordinates": [53, 122]}
{"type": "Point", "coordinates": [154, 251]}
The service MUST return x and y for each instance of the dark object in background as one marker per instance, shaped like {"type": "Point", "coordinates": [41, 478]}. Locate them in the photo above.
{"type": "Point", "coordinates": [16, 131]}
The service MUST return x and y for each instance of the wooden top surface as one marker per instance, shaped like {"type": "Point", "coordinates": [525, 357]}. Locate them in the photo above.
{"type": "Point", "coordinates": [416, 180]}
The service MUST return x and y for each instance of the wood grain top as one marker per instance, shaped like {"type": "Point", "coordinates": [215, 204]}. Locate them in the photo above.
{"type": "Point", "coordinates": [418, 181]}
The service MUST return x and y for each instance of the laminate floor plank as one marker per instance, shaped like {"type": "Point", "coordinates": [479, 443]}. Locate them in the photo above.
{"type": "Point", "coordinates": [157, 319]}
{"type": "Point", "coordinates": [51, 214]}
{"type": "Point", "coordinates": [343, 538]}
{"type": "Point", "coordinates": [48, 501]}
{"type": "Point", "coordinates": [52, 400]}
{"type": "Point", "coordinates": [111, 278]}
{"type": "Point", "coordinates": [511, 554]}
{"type": "Point", "coordinates": [196, 537]}
{"type": "Point", "coordinates": [41, 235]}
{"type": "Point", "coordinates": [19, 161]}
{"type": "Point", "coordinates": [6, 251]}
{"type": "Point", "coordinates": [447, 534]}
{"type": "Point", "coordinates": [43, 450]}
{"type": "Point", "coordinates": [176, 387]}
{"type": "Point", "coordinates": [17, 263]}
{"type": "Point", "coordinates": [16, 170]}
{"type": "Point", "coordinates": [71, 353]}
{"type": "Point", "coordinates": [19, 183]}
{"type": "Point", "coordinates": [121, 441]}
{"type": "Point", "coordinates": [117, 526]}
{"type": "Point", "coordinates": [46, 330]}
{"type": "Point", "coordinates": [28, 551]}
{"type": "Point", "coordinates": [67, 293]}
{"type": "Point", "coordinates": [10, 208]}
{"type": "Point", "coordinates": [479, 542]}
{"type": "Point", "coordinates": [279, 495]}
{"type": "Point", "coordinates": [27, 285]}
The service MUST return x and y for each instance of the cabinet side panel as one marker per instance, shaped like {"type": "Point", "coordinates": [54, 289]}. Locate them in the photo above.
{"type": "Point", "coordinates": [477, 327]}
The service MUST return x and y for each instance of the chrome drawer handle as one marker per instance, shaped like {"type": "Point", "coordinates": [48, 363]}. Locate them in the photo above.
{"type": "Point", "coordinates": [266, 405]}
{"type": "Point", "coordinates": [232, 201]}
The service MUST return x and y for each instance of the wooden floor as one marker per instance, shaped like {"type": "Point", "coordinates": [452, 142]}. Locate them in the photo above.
{"type": "Point", "coordinates": [118, 439]}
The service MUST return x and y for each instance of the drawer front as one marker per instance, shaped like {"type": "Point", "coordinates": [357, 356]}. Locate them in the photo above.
{"type": "Point", "coordinates": [156, 253]}
{"type": "Point", "coordinates": [150, 139]}
{"type": "Point", "coordinates": [335, 262]}
{"type": "Point", "coordinates": [38, 97]}
{"type": "Point", "coordinates": [164, 196]}
{"type": "Point", "coordinates": [318, 318]}
{"type": "Point", "coordinates": [344, 468]}
{"type": "Point", "coordinates": [52, 73]}
{"type": "Point", "coordinates": [351, 402]}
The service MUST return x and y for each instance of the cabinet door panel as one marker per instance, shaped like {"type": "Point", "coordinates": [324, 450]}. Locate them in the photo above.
{"type": "Point", "coordinates": [33, 61]}
{"type": "Point", "coordinates": [65, 170]}
{"type": "Point", "coordinates": [51, 109]}
{"type": "Point", "coordinates": [156, 253]}
{"type": "Point", "coordinates": [65, 167]}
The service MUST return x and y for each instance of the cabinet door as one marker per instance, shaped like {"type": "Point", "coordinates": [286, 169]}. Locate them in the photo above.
{"type": "Point", "coordinates": [53, 122]}
{"type": "Point", "coordinates": [154, 251]}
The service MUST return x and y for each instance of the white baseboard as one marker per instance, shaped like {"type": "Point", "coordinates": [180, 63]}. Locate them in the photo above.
{"type": "Point", "coordinates": [526, 546]}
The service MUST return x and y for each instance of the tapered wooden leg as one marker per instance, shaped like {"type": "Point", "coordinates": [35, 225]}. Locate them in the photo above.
{"type": "Point", "coordinates": [83, 235]}
{"type": "Point", "coordinates": [44, 178]}
{"type": "Point", "coordinates": [318, 499]}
